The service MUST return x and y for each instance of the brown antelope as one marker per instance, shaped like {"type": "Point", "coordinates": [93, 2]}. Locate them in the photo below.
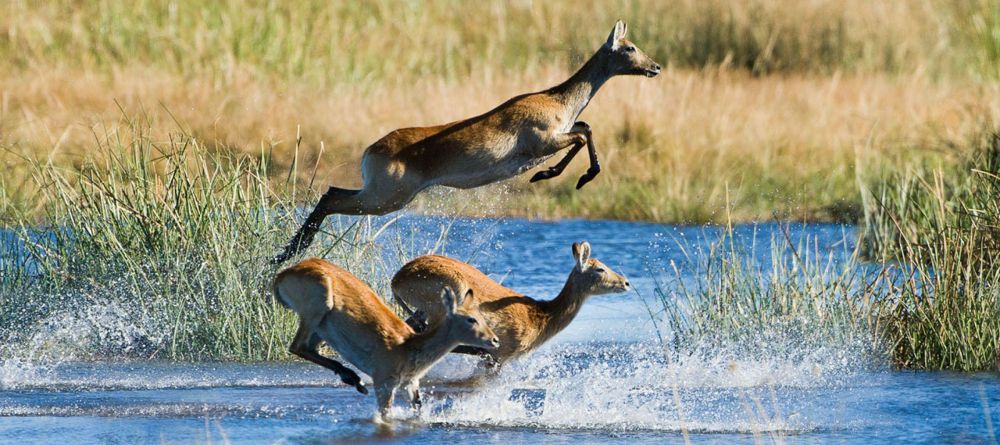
{"type": "Point", "coordinates": [521, 322]}
{"type": "Point", "coordinates": [335, 306]}
{"type": "Point", "coordinates": [500, 144]}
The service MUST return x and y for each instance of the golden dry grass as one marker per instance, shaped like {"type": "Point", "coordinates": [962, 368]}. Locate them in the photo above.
{"type": "Point", "coordinates": [776, 106]}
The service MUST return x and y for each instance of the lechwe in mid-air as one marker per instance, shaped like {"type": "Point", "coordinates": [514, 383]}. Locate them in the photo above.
{"type": "Point", "coordinates": [335, 306]}
{"type": "Point", "coordinates": [500, 144]}
{"type": "Point", "coordinates": [522, 323]}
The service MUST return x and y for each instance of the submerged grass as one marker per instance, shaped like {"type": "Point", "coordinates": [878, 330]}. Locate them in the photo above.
{"type": "Point", "coordinates": [927, 295]}
{"type": "Point", "coordinates": [783, 300]}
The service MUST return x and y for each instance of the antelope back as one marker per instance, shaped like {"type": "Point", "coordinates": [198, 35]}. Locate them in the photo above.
{"type": "Point", "coordinates": [419, 283]}
{"type": "Point", "coordinates": [315, 287]}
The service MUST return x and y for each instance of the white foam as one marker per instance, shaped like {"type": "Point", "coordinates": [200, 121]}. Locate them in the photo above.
{"type": "Point", "coordinates": [634, 387]}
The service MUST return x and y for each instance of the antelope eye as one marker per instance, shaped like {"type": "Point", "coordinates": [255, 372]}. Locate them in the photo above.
{"type": "Point", "coordinates": [600, 270]}
{"type": "Point", "coordinates": [630, 49]}
{"type": "Point", "coordinates": [473, 320]}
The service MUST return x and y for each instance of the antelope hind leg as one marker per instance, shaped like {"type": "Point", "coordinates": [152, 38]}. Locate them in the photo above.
{"type": "Point", "coordinates": [304, 346]}
{"type": "Point", "coordinates": [327, 204]}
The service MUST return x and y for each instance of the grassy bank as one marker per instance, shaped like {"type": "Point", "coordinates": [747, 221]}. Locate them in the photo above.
{"type": "Point", "coordinates": [779, 104]}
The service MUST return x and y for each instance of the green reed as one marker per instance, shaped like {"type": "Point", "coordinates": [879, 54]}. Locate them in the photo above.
{"type": "Point", "coordinates": [160, 249]}
{"type": "Point", "coordinates": [926, 296]}
{"type": "Point", "coordinates": [943, 221]}
{"type": "Point", "coordinates": [783, 299]}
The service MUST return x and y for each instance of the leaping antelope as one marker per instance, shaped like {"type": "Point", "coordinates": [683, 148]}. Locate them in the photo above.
{"type": "Point", "coordinates": [522, 323]}
{"type": "Point", "coordinates": [504, 142]}
{"type": "Point", "coordinates": [335, 306]}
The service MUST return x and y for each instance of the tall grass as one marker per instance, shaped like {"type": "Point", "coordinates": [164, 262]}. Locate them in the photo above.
{"type": "Point", "coordinates": [943, 222]}
{"type": "Point", "coordinates": [386, 40]}
{"type": "Point", "coordinates": [158, 248]}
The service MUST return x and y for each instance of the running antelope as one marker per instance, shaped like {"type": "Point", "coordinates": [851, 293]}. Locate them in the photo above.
{"type": "Point", "coordinates": [335, 306]}
{"type": "Point", "coordinates": [500, 144]}
{"type": "Point", "coordinates": [521, 322]}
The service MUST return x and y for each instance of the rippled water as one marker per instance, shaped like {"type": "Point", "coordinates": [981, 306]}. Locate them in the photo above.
{"type": "Point", "coordinates": [603, 379]}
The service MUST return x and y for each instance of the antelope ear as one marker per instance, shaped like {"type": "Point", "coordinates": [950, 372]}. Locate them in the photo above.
{"type": "Point", "coordinates": [449, 300]}
{"type": "Point", "coordinates": [617, 33]}
{"type": "Point", "coordinates": [581, 252]}
{"type": "Point", "coordinates": [467, 299]}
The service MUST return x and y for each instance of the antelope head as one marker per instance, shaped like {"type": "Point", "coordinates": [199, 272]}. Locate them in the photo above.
{"type": "Point", "coordinates": [624, 57]}
{"type": "Point", "coordinates": [592, 277]}
{"type": "Point", "coordinates": [466, 325]}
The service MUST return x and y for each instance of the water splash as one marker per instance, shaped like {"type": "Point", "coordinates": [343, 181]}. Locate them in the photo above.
{"type": "Point", "coordinates": [636, 387]}
{"type": "Point", "coordinates": [85, 323]}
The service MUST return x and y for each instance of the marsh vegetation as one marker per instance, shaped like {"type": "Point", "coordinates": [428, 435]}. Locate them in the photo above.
{"type": "Point", "coordinates": [154, 155]}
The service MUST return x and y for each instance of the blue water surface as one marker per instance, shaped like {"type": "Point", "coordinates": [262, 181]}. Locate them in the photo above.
{"type": "Point", "coordinates": [604, 379]}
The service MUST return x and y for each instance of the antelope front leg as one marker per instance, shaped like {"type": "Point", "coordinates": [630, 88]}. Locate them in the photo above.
{"type": "Point", "coordinates": [413, 391]}
{"type": "Point", "coordinates": [580, 127]}
{"type": "Point", "coordinates": [487, 358]}
{"type": "Point", "coordinates": [595, 166]}
{"type": "Point", "coordinates": [384, 392]}
{"type": "Point", "coordinates": [418, 321]}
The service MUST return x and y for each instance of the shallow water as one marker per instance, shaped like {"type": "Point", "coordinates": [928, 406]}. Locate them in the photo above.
{"type": "Point", "coordinates": [603, 379]}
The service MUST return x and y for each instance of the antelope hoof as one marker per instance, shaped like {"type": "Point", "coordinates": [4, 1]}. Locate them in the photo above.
{"type": "Point", "coordinates": [544, 174]}
{"type": "Point", "coordinates": [356, 382]}
{"type": "Point", "coordinates": [281, 257]}
{"type": "Point", "coordinates": [284, 255]}
{"type": "Point", "coordinates": [587, 177]}
{"type": "Point", "coordinates": [361, 388]}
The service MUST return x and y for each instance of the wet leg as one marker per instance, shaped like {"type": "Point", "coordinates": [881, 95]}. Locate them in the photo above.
{"type": "Point", "coordinates": [384, 392]}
